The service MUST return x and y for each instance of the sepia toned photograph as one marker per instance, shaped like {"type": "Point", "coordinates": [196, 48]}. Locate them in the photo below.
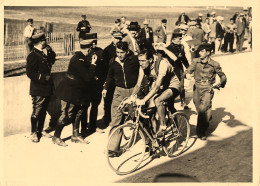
{"type": "Point", "coordinates": [110, 93]}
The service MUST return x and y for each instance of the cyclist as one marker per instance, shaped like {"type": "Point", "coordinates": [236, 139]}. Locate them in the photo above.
{"type": "Point", "coordinates": [165, 86]}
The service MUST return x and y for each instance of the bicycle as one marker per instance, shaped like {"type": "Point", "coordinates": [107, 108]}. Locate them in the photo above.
{"type": "Point", "coordinates": [136, 137]}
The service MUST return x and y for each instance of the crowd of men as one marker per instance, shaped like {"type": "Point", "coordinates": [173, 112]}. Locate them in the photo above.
{"type": "Point", "coordinates": [137, 64]}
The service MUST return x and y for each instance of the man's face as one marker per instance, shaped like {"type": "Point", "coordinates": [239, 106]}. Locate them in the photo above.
{"type": "Point", "coordinates": [121, 54]}
{"type": "Point", "coordinates": [176, 40]}
{"type": "Point", "coordinates": [203, 53]}
{"type": "Point", "coordinates": [115, 40]}
{"type": "Point", "coordinates": [30, 23]}
{"type": "Point", "coordinates": [145, 26]}
{"type": "Point", "coordinates": [164, 24]}
{"type": "Point", "coordinates": [44, 43]}
{"type": "Point", "coordinates": [123, 20]}
{"type": "Point", "coordinates": [144, 63]}
{"type": "Point", "coordinates": [133, 33]}
{"type": "Point", "coordinates": [83, 18]}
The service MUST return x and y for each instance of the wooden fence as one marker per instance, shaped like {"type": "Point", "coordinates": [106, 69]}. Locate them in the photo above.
{"type": "Point", "coordinates": [62, 43]}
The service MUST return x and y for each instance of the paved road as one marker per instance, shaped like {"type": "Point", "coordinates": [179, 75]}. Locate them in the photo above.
{"type": "Point", "coordinates": [225, 157]}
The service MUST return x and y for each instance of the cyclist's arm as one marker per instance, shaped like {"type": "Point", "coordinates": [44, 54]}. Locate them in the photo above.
{"type": "Point", "coordinates": [139, 82]}
{"type": "Point", "coordinates": [155, 89]}
{"type": "Point", "coordinates": [168, 52]}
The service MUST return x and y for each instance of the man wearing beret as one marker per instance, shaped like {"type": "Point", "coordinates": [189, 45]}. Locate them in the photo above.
{"type": "Point", "coordinates": [38, 69]}
{"type": "Point", "coordinates": [146, 36]}
{"type": "Point", "coordinates": [161, 32]}
{"type": "Point", "coordinates": [109, 54]}
{"type": "Point", "coordinates": [205, 70]}
{"type": "Point", "coordinates": [74, 90]}
{"type": "Point", "coordinates": [83, 27]}
{"type": "Point", "coordinates": [178, 50]}
{"type": "Point", "coordinates": [28, 31]}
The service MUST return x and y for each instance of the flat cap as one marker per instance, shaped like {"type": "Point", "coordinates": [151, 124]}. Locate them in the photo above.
{"type": "Point", "coordinates": [205, 46]}
{"type": "Point", "coordinates": [164, 20]}
{"type": "Point", "coordinates": [30, 20]}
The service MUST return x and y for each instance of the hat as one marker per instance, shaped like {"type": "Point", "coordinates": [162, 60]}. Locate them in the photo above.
{"type": "Point", "coordinates": [88, 38]}
{"type": "Point", "coordinates": [205, 46]}
{"type": "Point", "coordinates": [117, 34]}
{"type": "Point", "coordinates": [176, 33]}
{"type": "Point", "coordinates": [30, 20]}
{"type": "Point", "coordinates": [145, 22]}
{"type": "Point", "coordinates": [183, 27]}
{"type": "Point", "coordinates": [117, 21]}
{"type": "Point", "coordinates": [164, 20]}
{"type": "Point", "coordinates": [38, 35]}
{"type": "Point", "coordinates": [192, 23]}
{"type": "Point", "coordinates": [133, 26]}
{"type": "Point", "coordinates": [220, 18]}
{"type": "Point", "coordinates": [200, 14]}
{"type": "Point", "coordinates": [83, 16]}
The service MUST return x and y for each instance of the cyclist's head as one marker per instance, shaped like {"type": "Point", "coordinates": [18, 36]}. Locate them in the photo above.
{"type": "Point", "coordinates": [145, 57]}
{"type": "Point", "coordinates": [121, 50]}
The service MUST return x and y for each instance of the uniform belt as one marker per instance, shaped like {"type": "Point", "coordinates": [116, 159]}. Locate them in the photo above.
{"type": "Point", "coordinates": [202, 82]}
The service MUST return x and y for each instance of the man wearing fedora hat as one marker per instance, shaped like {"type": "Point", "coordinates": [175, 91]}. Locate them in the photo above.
{"type": "Point", "coordinates": [161, 32]}
{"type": "Point", "coordinates": [38, 69]}
{"type": "Point", "coordinates": [74, 90]}
{"type": "Point", "coordinates": [146, 36]}
{"type": "Point", "coordinates": [205, 70]}
{"type": "Point", "coordinates": [132, 38]}
{"type": "Point", "coordinates": [109, 54]}
{"type": "Point", "coordinates": [83, 27]}
{"type": "Point", "coordinates": [28, 31]}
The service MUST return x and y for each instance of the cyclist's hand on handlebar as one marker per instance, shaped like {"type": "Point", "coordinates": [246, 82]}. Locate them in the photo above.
{"type": "Point", "coordinates": [140, 102]}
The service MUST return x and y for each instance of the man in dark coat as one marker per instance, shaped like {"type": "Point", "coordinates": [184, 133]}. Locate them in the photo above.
{"type": "Point", "coordinates": [38, 69]}
{"type": "Point", "coordinates": [161, 32]}
{"type": "Point", "coordinates": [183, 18]}
{"type": "Point", "coordinates": [75, 89]}
{"type": "Point", "coordinates": [146, 37]}
{"type": "Point", "coordinates": [110, 53]}
{"type": "Point", "coordinates": [83, 27]}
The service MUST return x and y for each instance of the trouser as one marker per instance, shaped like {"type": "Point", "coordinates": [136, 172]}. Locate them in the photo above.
{"type": "Point", "coordinates": [218, 44]}
{"type": "Point", "coordinates": [107, 104]}
{"type": "Point", "coordinates": [117, 116]}
{"type": "Point", "coordinates": [28, 45]}
{"type": "Point", "coordinates": [40, 105]}
{"type": "Point", "coordinates": [70, 113]}
{"type": "Point", "coordinates": [212, 42]}
{"type": "Point", "coordinates": [240, 41]}
{"type": "Point", "coordinates": [202, 98]}
{"type": "Point", "coordinates": [95, 99]}
{"type": "Point", "coordinates": [167, 95]}
{"type": "Point", "coordinates": [228, 40]}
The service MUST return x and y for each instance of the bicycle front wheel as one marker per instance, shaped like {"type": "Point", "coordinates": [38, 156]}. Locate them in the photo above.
{"type": "Point", "coordinates": [177, 134]}
{"type": "Point", "coordinates": [126, 148]}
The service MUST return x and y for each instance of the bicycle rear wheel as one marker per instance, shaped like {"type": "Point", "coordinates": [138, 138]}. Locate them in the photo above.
{"type": "Point", "coordinates": [125, 149]}
{"type": "Point", "coordinates": [177, 134]}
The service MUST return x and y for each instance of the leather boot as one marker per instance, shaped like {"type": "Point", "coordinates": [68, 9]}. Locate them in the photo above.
{"type": "Point", "coordinates": [34, 122]}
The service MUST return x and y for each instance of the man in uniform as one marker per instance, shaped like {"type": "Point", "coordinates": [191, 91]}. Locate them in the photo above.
{"type": "Point", "coordinates": [38, 69]}
{"type": "Point", "coordinates": [28, 31]}
{"type": "Point", "coordinates": [83, 27]}
{"type": "Point", "coordinates": [110, 53]}
{"type": "Point", "coordinates": [161, 32]}
{"type": "Point", "coordinates": [205, 70]}
{"type": "Point", "coordinates": [74, 90]}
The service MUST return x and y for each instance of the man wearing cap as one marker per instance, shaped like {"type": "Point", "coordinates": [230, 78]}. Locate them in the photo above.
{"type": "Point", "coordinates": [146, 36]}
{"type": "Point", "coordinates": [205, 70]}
{"type": "Point", "coordinates": [123, 73]}
{"type": "Point", "coordinates": [132, 38]}
{"type": "Point", "coordinates": [74, 90]}
{"type": "Point", "coordinates": [178, 50]}
{"type": "Point", "coordinates": [109, 54]}
{"type": "Point", "coordinates": [83, 26]}
{"type": "Point", "coordinates": [38, 69]}
{"type": "Point", "coordinates": [241, 26]}
{"type": "Point", "coordinates": [161, 32]}
{"type": "Point", "coordinates": [95, 87]}
{"type": "Point", "coordinates": [220, 31]}
{"type": "Point", "coordinates": [229, 36]}
{"type": "Point", "coordinates": [28, 31]}
{"type": "Point", "coordinates": [183, 18]}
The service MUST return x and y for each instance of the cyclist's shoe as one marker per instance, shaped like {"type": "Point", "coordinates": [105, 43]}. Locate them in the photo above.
{"type": "Point", "coordinates": [161, 131]}
{"type": "Point", "coordinates": [113, 154]}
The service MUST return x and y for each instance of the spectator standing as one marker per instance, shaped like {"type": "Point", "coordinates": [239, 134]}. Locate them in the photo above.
{"type": "Point", "coordinates": [212, 34]}
{"type": "Point", "coordinates": [199, 19]}
{"type": "Point", "coordinates": [205, 70]}
{"type": "Point", "coordinates": [131, 38]}
{"type": "Point", "coordinates": [161, 32]}
{"type": "Point", "coordinates": [83, 27]}
{"type": "Point", "coordinates": [229, 36]}
{"type": "Point", "coordinates": [241, 25]}
{"type": "Point", "coordinates": [220, 31]}
{"type": "Point", "coordinates": [123, 73]}
{"type": "Point", "coordinates": [109, 55]}
{"type": "Point", "coordinates": [73, 90]}
{"type": "Point", "coordinates": [38, 69]}
{"type": "Point", "coordinates": [146, 36]}
{"type": "Point", "coordinates": [116, 26]}
{"type": "Point", "coordinates": [28, 31]}
{"type": "Point", "coordinates": [183, 18]}
{"type": "Point", "coordinates": [206, 28]}
{"type": "Point", "coordinates": [185, 37]}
